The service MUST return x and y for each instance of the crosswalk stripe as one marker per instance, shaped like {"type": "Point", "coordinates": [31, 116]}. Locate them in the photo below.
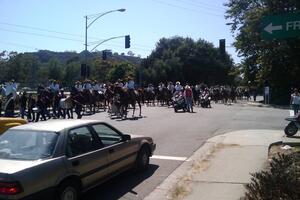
{"type": "Point", "coordinates": [169, 158]}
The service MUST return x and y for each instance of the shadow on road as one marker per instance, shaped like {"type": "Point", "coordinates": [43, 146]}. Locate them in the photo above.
{"type": "Point", "coordinates": [120, 185]}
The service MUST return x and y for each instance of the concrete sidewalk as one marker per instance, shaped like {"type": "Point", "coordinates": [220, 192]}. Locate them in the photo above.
{"type": "Point", "coordinates": [220, 168]}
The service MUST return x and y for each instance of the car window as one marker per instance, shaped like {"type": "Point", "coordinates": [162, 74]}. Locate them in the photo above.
{"type": "Point", "coordinates": [107, 135]}
{"type": "Point", "coordinates": [80, 141]}
{"type": "Point", "coordinates": [27, 145]}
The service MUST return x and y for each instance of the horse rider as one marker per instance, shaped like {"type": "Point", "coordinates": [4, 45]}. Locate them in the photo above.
{"type": "Point", "coordinates": [170, 87]}
{"type": "Point", "coordinates": [130, 85]}
{"type": "Point", "coordinates": [150, 88]}
{"type": "Point", "coordinates": [96, 86]}
{"type": "Point", "coordinates": [78, 86]}
{"type": "Point", "coordinates": [87, 85]}
{"type": "Point", "coordinates": [161, 86]}
{"type": "Point", "coordinates": [54, 86]}
{"type": "Point", "coordinates": [178, 88]}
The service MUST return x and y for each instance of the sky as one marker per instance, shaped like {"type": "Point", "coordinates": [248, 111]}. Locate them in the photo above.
{"type": "Point", "coordinates": [59, 25]}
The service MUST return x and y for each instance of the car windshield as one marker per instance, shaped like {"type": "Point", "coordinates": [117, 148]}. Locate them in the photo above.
{"type": "Point", "coordinates": [27, 145]}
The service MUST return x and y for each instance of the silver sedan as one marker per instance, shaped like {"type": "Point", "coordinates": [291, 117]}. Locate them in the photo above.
{"type": "Point", "coordinates": [63, 158]}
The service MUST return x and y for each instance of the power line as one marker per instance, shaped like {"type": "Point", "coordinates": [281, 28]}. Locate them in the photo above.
{"type": "Point", "coordinates": [210, 4]}
{"type": "Point", "coordinates": [56, 32]}
{"type": "Point", "coordinates": [20, 45]}
{"type": "Point", "coordinates": [41, 29]}
{"type": "Point", "coordinates": [188, 9]}
{"type": "Point", "coordinates": [40, 35]}
{"type": "Point", "coordinates": [202, 5]}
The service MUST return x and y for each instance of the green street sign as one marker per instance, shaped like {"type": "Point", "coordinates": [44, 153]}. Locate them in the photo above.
{"type": "Point", "coordinates": [281, 26]}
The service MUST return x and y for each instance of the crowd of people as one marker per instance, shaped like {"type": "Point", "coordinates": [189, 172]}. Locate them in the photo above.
{"type": "Point", "coordinates": [33, 107]}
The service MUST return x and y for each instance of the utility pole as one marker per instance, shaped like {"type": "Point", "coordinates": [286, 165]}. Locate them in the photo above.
{"type": "Point", "coordinates": [85, 55]}
{"type": "Point", "coordinates": [95, 17]}
{"type": "Point", "coordinates": [85, 52]}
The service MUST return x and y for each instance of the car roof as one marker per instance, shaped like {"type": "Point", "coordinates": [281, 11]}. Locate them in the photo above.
{"type": "Point", "coordinates": [54, 125]}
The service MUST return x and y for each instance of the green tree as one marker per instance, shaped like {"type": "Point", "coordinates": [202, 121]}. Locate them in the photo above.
{"type": "Point", "coordinates": [120, 71]}
{"type": "Point", "coordinates": [186, 60]}
{"type": "Point", "coordinates": [55, 70]}
{"type": "Point", "coordinates": [276, 61]}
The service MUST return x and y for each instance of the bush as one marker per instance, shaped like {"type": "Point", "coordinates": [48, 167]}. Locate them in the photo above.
{"type": "Point", "coordinates": [280, 181]}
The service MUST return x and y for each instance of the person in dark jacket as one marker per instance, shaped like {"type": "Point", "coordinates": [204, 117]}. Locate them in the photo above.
{"type": "Point", "coordinates": [31, 105]}
{"type": "Point", "coordinates": [23, 103]}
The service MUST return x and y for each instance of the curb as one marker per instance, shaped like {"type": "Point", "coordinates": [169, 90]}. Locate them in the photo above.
{"type": "Point", "coordinates": [163, 189]}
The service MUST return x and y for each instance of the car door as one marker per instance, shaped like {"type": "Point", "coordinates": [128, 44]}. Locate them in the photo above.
{"type": "Point", "coordinates": [121, 154]}
{"type": "Point", "coordinates": [85, 155]}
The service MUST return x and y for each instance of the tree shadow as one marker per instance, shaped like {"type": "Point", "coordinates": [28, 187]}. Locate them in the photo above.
{"type": "Point", "coordinates": [117, 187]}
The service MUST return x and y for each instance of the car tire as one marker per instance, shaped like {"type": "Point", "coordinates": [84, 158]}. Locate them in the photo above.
{"type": "Point", "coordinates": [68, 190]}
{"type": "Point", "coordinates": [143, 159]}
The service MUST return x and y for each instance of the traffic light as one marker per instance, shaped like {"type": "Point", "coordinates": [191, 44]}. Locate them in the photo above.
{"type": "Point", "coordinates": [222, 46]}
{"type": "Point", "coordinates": [87, 71]}
{"type": "Point", "coordinates": [127, 41]}
{"type": "Point", "coordinates": [104, 55]}
{"type": "Point", "coordinates": [83, 70]}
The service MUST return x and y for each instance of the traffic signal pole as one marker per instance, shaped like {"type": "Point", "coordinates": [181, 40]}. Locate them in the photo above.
{"type": "Point", "coordinates": [87, 25]}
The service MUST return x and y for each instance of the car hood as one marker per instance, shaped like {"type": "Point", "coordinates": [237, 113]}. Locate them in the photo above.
{"type": "Point", "coordinates": [13, 166]}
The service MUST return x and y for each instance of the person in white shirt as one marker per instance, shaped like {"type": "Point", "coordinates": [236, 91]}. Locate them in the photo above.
{"type": "Point", "coordinates": [178, 88]}
{"type": "Point", "coordinates": [130, 84]}
{"type": "Point", "coordinates": [96, 86]}
{"type": "Point", "coordinates": [87, 85]}
{"type": "Point", "coordinates": [56, 86]}
{"type": "Point", "coordinates": [78, 86]}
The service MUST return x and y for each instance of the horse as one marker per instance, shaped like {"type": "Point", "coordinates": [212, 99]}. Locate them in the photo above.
{"type": "Point", "coordinates": [126, 98]}
{"type": "Point", "coordinates": [149, 97]}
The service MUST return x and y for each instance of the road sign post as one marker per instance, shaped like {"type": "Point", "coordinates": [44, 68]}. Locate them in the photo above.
{"type": "Point", "coordinates": [281, 26]}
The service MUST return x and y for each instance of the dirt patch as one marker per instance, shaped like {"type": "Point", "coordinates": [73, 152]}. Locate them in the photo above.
{"type": "Point", "coordinates": [282, 149]}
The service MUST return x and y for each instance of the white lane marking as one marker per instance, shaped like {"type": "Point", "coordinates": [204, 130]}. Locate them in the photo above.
{"type": "Point", "coordinates": [170, 158]}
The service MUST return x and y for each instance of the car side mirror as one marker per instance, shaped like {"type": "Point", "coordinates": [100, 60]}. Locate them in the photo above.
{"type": "Point", "coordinates": [126, 137]}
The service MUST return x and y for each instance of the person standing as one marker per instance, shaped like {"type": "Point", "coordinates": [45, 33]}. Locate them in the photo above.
{"type": "Point", "coordinates": [31, 105]}
{"type": "Point", "coordinates": [295, 101]}
{"type": "Point", "coordinates": [23, 103]}
{"type": "Point", "coordinates": [188, 96]}
{"type": "Point", "coordinates": [40, 109]}
{"type": "Point", "coordinates": [0, 105]}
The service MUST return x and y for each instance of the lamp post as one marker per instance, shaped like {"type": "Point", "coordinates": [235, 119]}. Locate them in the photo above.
{"type": "Point", "coordinates": [87, 25]}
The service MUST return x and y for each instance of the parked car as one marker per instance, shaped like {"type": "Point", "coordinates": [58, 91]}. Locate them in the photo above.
{"type": "Point", "coordinates": [8, 122]}
{"type": "Point", "coordinates": [59, 159]}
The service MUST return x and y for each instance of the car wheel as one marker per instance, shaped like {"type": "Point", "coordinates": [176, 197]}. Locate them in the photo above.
{"type": "Point", "coordinates": [68, 190]}
{"type": "Point", "coordinates": [142, 162]}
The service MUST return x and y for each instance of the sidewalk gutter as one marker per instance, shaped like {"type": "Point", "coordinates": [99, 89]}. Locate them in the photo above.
{"type": "Point", "coordinates": [222, 164]}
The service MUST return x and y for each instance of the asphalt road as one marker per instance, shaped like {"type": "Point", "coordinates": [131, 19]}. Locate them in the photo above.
{"type": "Point", "coordinates": [177, 136]}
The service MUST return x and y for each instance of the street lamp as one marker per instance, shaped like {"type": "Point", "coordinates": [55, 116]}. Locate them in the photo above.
{"type": "Point", "coordinates": [95, 17]}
